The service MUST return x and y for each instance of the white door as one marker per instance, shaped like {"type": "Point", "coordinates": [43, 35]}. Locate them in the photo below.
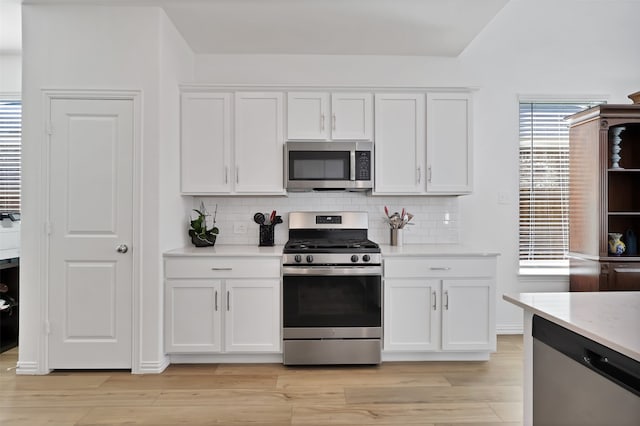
{"type": "Point", "coordinates": [259, 143]}
{"type": "Point", "coordinates": [307, 116]}
{"type": "Point", "coordinates": [412, 314]}
{"type": "Point", "coordinates": [468, 321]}
{"type": "Point", "coordinates": [193, 320]}
{"type": "Point", "coordinates": [90, 222]}
{"type": "Point", "coordinates": [400, 143]}
{"type": "Point", "coordinates": [351, 116]}
{"type": "Point", "coordinates": [449, 154]}
{"type": "Point", "coordinates": [205, 143]}
{"type": "Point", "coordinates": [252, 317]}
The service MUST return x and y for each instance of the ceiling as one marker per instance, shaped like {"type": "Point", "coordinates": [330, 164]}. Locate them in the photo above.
{"type": "Point", "coordinates": [331, 27]}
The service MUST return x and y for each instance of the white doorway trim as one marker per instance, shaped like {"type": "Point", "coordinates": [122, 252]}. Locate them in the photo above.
{"type": "Point", "coordinates": [94, 94]}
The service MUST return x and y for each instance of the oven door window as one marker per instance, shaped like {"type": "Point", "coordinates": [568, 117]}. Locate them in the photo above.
{"type": "Point", "coordinates": [319, 165]}
{"type": "Point", "coordinates": [332, 301]}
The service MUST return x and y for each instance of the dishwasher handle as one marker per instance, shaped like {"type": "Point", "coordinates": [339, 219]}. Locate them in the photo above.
{"type": "Point", "coordinates": [608, 368]}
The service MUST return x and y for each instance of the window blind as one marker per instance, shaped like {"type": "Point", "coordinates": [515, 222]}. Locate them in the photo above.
{"type": "Point", "coordinates": [10, 154]}
{"type": "Point", "coordinates": [544, 180]}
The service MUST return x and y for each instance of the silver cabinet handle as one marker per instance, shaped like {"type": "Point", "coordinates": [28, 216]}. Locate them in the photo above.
{"type": "Point", "coordinates": [439, 268]}
{"type": "Point", "coordinates": [226, 174]}
{"type": "Point", "coordinates": [222, 269]}
{"type": "Point", "coordinates": [429, 174]}
{"type": "Point", "coordinates": [333, 125]}
{"type": "Point", "coordinates": [216, 300]}
{"type": "Point", "coordinates": [237, 174]}
{"type": "Point", "coordinates": [419, 173]}
{"type": "Point", "coordinates": [122, 248]}
{"type": "Point", "coordinates": [228, 303]}
{"type": "Point", "coordinates": [446, 300]}
{"type": "Point", "coordinates": [321, 121]}
{"type": "Point", "coordinates": [435, 301]}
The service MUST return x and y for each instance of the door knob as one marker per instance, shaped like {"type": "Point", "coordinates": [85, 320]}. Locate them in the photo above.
{"type": "Point", "coordinates": [122, 248]}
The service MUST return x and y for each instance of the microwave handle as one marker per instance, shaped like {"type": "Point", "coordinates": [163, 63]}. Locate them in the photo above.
{"type": "Point", "coordinates": [352, 169]}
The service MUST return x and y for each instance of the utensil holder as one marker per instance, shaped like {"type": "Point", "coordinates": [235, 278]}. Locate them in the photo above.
{"type": "Point", "coordinates": [397, 237]}
{"type": "Point", "coordinates": [267, 235]}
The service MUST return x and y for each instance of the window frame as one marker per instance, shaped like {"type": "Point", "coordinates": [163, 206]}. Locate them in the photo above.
{"type": "Point", "coordinates": [549, 267]}
{"type": "Point", "coordinates": [15, 97]}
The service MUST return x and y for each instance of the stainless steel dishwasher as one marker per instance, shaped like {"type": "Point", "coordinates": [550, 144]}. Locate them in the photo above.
{"type": "Point", "coordinates": [577, 381]}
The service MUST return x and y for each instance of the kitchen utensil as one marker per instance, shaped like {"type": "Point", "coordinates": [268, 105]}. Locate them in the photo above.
{"type": "Point", "coordinates": [259, 218]}
{"type": "Point", "coordinates": [272, 218]}
{"type": "Point", "coordinates": [386, 211]}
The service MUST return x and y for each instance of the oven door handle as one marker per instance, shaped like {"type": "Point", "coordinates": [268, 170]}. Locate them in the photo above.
{"type": "Point", "coordinates": [331, 270]}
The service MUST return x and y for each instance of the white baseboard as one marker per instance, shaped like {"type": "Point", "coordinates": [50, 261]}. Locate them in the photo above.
{"type": "Point", "coordinates": [30, 368]}
{"type": "Point", "coordinates": [152, 367]}
{"type": "Point", "coordinates": [509, 329]}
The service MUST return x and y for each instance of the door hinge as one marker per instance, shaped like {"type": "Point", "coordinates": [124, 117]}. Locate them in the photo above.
{"type": "Point", "coordinates": [47, 327]}
{"type": "Point", "coordinates": [49, 129]}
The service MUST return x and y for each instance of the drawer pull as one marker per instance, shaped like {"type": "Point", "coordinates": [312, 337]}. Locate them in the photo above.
{"type": "Point", "coordinates": [222, 269]}
{"type": "Point", "coordinates": [440, 268]}
{"type": "Point", "coordinates": [446, 300]}
{"type": "Point", "coordinates": [228, 304]}
{"type": "Point", "coordinates": [216, 302]}
{"type": "Point", "coordinates": [433, 296]}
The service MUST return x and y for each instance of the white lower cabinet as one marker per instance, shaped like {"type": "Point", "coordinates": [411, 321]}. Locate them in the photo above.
{"type": "Point", "coordinates": [439, 305]}
{"type": "Point", "coordinates": [212, 315]}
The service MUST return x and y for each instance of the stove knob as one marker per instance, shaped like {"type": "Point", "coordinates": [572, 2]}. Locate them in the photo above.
{"type": "Point", "coordinates": [366, 258]}
{"type": "Point", "coordinates": [309, 259]}
{"type": "Point", "coordinates": [297, 258]}
{"type": "Point", "coordinates": [354, 258]}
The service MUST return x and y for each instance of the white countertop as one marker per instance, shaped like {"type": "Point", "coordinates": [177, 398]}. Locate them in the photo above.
{"type": "Point", "coordinates": [387, 250]}
{"type": "Point", "coordinates": [9, 253]}
{"type": "Point", "coordinates": [434, 250]}
{"type": "Point", "coordinates": [227, 250]}
{"type": "Point", "coordinates": [609, 318]}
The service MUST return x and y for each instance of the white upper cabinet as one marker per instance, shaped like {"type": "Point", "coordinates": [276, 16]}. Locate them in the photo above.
{"type": "Point", "coordinates": [400, 143]}
{"type": "Point", "coordinates": [259, 143]}
{"type": "Point", "coordinates": [205, 143]}
{"type": "Point", "coordinates": [449, 149]}
{"type": "Point", "coordinates": [232, 143]}
{"type": "Point", "coordinates": [329, 116]}
{"type": "Point", "coordinates": [308, 116]}
{"type": "Point", "coordinates": [415, 156]}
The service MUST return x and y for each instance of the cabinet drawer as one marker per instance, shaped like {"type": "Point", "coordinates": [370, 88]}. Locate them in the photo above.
{"type": "Point", "coordinates": [222, 267]}
{"type": "Point", "coordinates": [440, 267]}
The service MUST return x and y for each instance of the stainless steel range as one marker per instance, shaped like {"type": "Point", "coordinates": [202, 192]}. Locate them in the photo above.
{"type": "Point", "coordinates": [332, 290]}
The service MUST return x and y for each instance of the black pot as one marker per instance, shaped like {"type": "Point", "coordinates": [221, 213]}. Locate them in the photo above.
{"type": "Point", "coordinates": [205, 241]}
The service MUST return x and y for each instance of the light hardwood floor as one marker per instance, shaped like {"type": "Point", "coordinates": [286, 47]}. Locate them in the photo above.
{"type": "Point", "coordinates": [407, 393]}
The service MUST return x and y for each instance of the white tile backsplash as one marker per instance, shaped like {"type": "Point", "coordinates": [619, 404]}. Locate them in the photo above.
{"type": "Point", "coordinates": [436, 219]}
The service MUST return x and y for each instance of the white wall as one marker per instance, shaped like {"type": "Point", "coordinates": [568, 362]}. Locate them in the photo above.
{"type": "Point", "coordinates": [571, 48]}
{"type": "Point", "coordinates": [10, 73]}
{"type": "Point", "coordinates": [122, 48]}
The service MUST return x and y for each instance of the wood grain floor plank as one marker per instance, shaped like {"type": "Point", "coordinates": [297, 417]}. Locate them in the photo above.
{"type": "Point", "coordinates": [393, 414]}
{"type": "Point", "coordinates": [424, 394]}
{"type": "Point", "coordinates": [403, 393]}
{"type": "Point", "coordinates": [189, 415]}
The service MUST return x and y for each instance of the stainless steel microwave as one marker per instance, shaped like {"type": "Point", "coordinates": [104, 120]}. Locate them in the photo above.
{"type": "Point", "coordinates": [329, 166]}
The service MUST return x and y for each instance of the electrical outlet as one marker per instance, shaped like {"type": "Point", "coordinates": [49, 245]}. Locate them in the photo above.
{"type": "Point", "coordinates": [239, 228]}
{"type": "Point", "coordinates": [503, 198]}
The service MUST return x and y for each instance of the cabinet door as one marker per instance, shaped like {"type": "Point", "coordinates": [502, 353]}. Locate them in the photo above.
{"type": "Point", "coordinates": [308, 116]}
{"type": "Point", "coordinates": [351, 116]}
{"type": "Point", "coordinates": [400, 142]}
{"type": "Point", "coordinates": [449, 156]}
{"type": "Point", "coordinates": [411, 315]}
{"type": "Point", "coordinates": [193, 316]}
{"type": "Point", "coordinates": [252, 315]}
{"type": "Point", "coordinates": [205, 143]}
{"type": "Point", "coordinates": [259, 143]}
{"type": "Point", "coordinates": [468, 319]}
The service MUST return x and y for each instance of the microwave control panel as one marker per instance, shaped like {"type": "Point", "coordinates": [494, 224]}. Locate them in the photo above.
{"type": "Point", "coordinates": [363, 165]}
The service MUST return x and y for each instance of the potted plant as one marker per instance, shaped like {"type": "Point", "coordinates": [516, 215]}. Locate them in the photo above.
{"type": "Point", "coordinates": [201, 236]}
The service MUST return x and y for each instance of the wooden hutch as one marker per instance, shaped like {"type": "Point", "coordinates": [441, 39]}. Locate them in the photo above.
{"type": "Point", "coordinates": [604, 197]}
